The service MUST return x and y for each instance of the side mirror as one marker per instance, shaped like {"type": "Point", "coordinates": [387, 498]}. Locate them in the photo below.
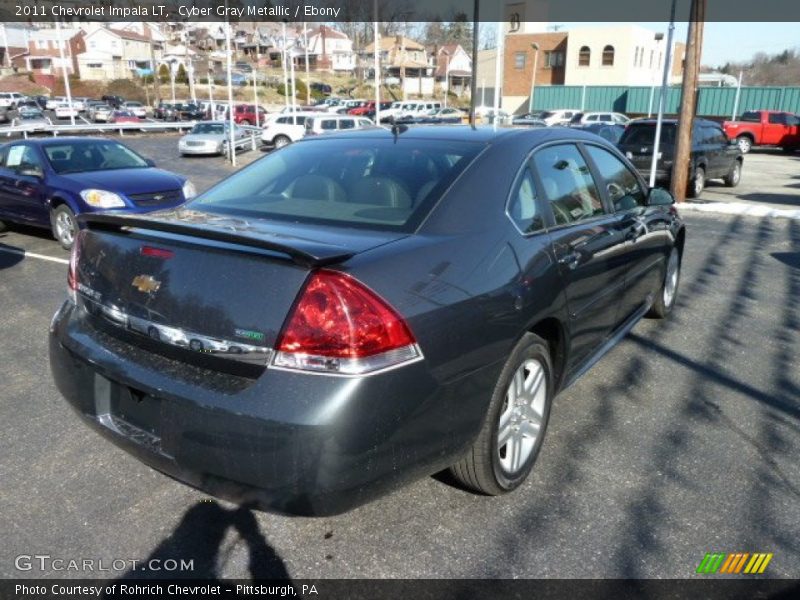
{"type": "Point", "coordinates": [150, 162]}
{"type": "Point", "coordinates": [31, 171]}
{"type": "Point", "coordinates": [659, 197]}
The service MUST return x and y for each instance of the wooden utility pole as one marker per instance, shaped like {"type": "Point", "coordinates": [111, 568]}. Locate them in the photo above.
{"type": "Point", "coordinates": [694, 46]}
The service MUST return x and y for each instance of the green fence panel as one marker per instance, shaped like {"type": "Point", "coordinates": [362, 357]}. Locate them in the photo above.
{"type": "Point", "coordinates": [641, 100]}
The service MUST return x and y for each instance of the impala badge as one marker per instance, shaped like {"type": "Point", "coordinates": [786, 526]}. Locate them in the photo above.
{"type": "Point", "coordinates": [146, 284]}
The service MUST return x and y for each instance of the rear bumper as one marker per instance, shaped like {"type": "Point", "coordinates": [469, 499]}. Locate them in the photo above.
{"type": "Point", "coordinates": [290, 442]}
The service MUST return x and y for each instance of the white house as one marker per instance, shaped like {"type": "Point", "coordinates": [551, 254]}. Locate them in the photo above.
{"type": "Point", "coordinates": [453, 68]}
{"type": "Point", "coordinates": [116, 54]}
{"type": "Point", "coordinates": [329, 49]}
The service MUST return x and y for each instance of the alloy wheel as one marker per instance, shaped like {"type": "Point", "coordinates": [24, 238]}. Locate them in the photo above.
{"type": "Point", "coordinates": [671, 281]}
{"type": "Point", "coordinates": [521, 416]}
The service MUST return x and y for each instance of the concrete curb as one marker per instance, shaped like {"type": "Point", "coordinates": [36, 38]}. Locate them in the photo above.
{"type": "Point", "coordinates": [740, 208]}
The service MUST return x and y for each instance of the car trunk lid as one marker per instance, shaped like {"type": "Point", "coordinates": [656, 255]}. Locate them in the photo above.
{"type": "Point", "coordinates": [209, 290]}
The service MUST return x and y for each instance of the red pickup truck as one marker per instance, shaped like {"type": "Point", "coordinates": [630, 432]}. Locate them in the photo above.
{"type": "Point", "coordinates": [765, 128]}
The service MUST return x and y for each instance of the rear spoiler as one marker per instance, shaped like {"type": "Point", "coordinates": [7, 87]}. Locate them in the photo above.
{"type": "Point", "coordinates": [305, 253]}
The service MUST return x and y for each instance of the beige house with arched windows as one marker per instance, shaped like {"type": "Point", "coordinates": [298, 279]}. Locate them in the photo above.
{"type": "Point", "coordinates": [622, 54]}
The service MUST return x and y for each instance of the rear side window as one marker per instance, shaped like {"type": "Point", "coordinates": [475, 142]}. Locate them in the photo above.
{"type": "Point", "coordinates": [644, 135]}
{"type": "Point", "coordinates": [777, 118]}
{"type": "Point", "coordinates": [376, 184]}
{"type": "Point", "coordinates": [522, 207]}
{"type": "Point", "coordinates": [567, 184]}
{"type": "Point", "coordinates": [621, 185]}
{"type": "Point", "coordinates": [751, 116]}
{"type": "Point", "coordinates": [328, 124]}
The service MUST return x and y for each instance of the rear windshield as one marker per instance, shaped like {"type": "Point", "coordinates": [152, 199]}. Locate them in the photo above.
{"type": "Point", "coordinates": [367, 183]}
{"type": "Point", "coordinates": [644, 134]}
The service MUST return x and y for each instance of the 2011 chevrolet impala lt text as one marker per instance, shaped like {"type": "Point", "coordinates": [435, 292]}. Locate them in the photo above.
{"type": "Point", "coordinates": [352, 312]}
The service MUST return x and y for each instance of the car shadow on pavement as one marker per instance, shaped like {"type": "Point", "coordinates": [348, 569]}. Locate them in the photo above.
{"type": "Point", "coordinates": [200, 537]}
{"type": "Point", "coordinates": [10, 255]}
{"type": "Point", "coordinates": [789, 199]}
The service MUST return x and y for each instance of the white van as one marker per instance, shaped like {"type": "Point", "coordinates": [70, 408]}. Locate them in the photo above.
{"type": "Point", "coordinates": [319, 124]}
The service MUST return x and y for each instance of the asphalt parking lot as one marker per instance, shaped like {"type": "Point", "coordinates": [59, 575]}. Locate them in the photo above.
{"type": "Point", "coordinates": [685, 439]}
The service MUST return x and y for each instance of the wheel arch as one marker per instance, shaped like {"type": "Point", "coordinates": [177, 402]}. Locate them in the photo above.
{"type": "Point", "coordinates": [552, 330]}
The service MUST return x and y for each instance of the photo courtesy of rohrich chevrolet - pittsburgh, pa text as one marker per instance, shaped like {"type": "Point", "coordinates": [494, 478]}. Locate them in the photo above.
{"type": "Point", "coordinates": [391, 299]}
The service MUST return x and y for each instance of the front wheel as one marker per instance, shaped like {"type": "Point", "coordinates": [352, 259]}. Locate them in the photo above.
{"type": "Point", "coordinates": [745, 143]}
{"type": "Point", "coordinates": [64, 226]}
{"type": "Point", "coordinates": [512, 434]}
{"type": "Point", "coordinates": [665, 299]}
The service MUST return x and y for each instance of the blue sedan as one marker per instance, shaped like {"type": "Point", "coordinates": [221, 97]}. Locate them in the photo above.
{"type": "Point", "coordinates": [46, 183]}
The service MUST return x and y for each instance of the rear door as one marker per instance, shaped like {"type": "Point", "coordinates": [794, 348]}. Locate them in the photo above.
{"type": "Point", "coordinates": [588, 245]}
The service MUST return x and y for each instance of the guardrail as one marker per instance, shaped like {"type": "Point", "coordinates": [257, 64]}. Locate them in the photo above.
{"type": "Point", "coordinates": [56, 129]}
{"type": "Point", "coordinates": [252, 140]}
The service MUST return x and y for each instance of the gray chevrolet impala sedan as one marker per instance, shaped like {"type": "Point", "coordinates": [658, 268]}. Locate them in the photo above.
{"type": "Point", "coordinates": [355, 311]}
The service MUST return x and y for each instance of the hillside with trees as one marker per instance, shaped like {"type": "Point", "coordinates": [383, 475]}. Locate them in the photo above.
{"type": "Point", "coordinates": [781, 69]}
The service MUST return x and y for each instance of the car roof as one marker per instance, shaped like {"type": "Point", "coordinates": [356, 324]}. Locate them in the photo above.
{"type": "Point", "coordinates": [482, 134]}
{"type": "Point", "coordinates": [670, 122]}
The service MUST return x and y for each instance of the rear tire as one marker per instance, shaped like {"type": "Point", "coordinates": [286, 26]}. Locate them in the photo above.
{"type": "Point", "coordinates": [65, 228]}
{"type": "Point", "coordinates": [734, 176]}
{"type": "Point", "coordinates": [745, 143]}
{"type": "Point", "coordinates": [512, 434]}
{"type": "Point", "coordinates": [665, 299]}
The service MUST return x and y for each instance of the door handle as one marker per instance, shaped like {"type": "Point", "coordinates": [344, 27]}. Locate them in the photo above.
{"type": "Point", "coordinates": [637, 230]}
{"type": "Point", "coordinates": [572, 259]}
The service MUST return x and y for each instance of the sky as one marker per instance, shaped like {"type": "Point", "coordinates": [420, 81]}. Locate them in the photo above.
{"type": "Point", "coordinates": [734, 42]}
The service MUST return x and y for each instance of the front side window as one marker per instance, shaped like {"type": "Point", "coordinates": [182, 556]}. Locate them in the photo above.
{"type": "Point", "coordinates": [22, 157]}
{"type": "Point", "coordinates": [777, 118]}
{"type": "Point", "coordinates": [622, 186]}
{"type": "Point", "coordinates": [522, 208]}
{"type": "Point", "coordinates": [347, 124]}
{"type": "Point", "coordinates": [567, 184]}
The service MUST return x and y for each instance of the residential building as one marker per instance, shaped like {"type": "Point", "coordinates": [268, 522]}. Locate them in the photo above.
{"type": "Point", "coordinates": [117, 54]}
{"type": "Point", "coordinates": [13, 44]}
{"type": "Point", "coordinates": [453, 68]}
{"type": "Point", "coordinates": [328, 50]}
{"type": "Point", "coordinates": [405, 60]}
{"type": "Point", "coordinates": [518, 63]}
{"type": "Point", "coordinates": [45, 47]}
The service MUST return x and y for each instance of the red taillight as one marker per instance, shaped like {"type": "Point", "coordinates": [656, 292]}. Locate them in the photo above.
{"type": "Point", "coordinates": [340, 325]}
{"type": "Point", "coordinates": [72, 273]}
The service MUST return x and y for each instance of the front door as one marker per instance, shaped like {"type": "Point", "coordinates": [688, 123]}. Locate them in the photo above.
{"type": "Point", "coordinates": [23, 188]}
{"type": "Point", "coordinates": [587, 244]}
{"type": "Point", "coordinates": [644, 228]}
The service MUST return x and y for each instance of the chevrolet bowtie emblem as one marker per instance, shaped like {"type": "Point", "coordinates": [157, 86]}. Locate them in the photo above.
{"type": "Point", "coordinates": [158, 197]}
{"type": "Point", "coordinates": [146, 284]}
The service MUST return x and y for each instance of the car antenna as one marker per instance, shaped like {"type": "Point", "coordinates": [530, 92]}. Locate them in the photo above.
{"type": "Point", "coordinates": [398, 129]}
